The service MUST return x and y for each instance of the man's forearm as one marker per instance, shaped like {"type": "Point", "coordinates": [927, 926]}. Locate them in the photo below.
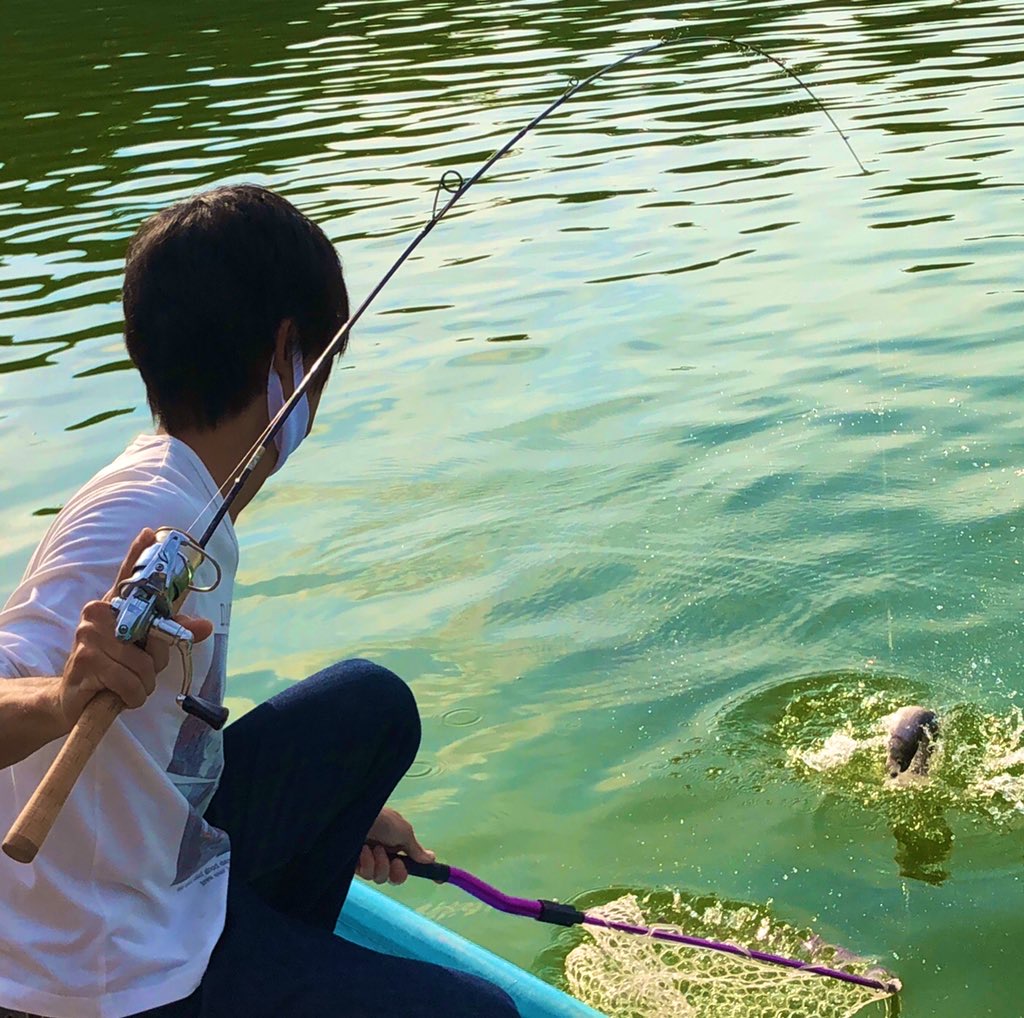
{"type": "Point", "coordinates": [30, 716]}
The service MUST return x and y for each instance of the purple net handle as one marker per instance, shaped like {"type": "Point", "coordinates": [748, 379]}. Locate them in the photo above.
{"type": "Point", "coordinates": [530, 908]}
{"type": "Point", "coordinates": [742, 952]}
{"type": "Point", "coordinates": [442, 874]}
{"type": "Point", "coordinates": [566, 915]}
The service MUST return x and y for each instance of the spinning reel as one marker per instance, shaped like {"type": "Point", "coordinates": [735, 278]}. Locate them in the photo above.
{"type": "Point", "coordinates": [145, 602]}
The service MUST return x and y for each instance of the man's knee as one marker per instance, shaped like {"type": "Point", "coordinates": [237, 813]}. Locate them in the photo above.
{"type": "Point", "coordinates": [355, 678]}
{"type": "Point", "coordinates": [385, 700]}
{"type": "Point", "coordinates": [384, 687]}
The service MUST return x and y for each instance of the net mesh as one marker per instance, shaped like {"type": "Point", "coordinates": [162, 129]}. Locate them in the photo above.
{"type": "Point", "coordinates": [628, 976]}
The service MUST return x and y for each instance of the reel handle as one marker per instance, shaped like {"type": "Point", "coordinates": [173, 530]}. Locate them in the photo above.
{"type": "Point", "coordinates": [213, 714]}
{"type": "Point", "coordinates": [29, 831]}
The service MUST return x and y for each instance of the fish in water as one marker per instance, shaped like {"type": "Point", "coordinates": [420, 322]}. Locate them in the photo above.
{"type": "Point", "coordinates": [912, 734]}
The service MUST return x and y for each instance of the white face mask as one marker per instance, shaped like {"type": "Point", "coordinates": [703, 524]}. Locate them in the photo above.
{"type": "Point", "coordinates": [296, 424]}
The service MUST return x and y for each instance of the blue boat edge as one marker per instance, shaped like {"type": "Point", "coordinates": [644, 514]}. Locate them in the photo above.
{"type": "Point", "coordinates": [374, 920]}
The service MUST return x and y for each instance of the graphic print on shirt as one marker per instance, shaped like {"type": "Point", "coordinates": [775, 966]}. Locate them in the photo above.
{"type": "Point", "coordinates": [195, 766]}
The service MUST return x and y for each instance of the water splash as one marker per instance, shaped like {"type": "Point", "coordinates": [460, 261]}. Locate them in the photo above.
{"type": "Point", "coordinates": [831, 730]}
{"type": "Point", "coordinates": [977, 766]}
{"type": "Point", "coordinates": [838, 749]}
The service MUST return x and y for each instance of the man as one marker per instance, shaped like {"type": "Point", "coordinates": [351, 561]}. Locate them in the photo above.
{"type": "Point", "coordinates": [194, 874]}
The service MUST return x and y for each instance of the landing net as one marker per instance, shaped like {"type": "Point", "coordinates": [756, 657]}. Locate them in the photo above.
{"type": "Point", "coordinates": [627, 976]}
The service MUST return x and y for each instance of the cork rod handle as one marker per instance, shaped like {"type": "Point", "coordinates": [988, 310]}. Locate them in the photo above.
{"type": "Point", "coordinates": [29, 831]}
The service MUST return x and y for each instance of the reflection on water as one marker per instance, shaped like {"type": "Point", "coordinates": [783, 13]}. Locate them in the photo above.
{"type": "Point", "coordinates": [676, 404]}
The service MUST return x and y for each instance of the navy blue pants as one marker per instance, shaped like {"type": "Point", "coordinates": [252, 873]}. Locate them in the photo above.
{"type": "Point", "coordinates": [305, 775]}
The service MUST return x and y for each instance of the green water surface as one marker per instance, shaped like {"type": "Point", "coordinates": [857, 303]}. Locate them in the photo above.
{"type": "Point", "coordinates": [680, 448]}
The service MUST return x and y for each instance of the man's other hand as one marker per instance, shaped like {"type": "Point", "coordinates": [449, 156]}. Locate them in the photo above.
{"type": "Point", "coordinates": [390, 832]}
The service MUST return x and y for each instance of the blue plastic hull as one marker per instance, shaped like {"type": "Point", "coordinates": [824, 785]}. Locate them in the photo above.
{"type": "Point", "coordinates": [374, 920]}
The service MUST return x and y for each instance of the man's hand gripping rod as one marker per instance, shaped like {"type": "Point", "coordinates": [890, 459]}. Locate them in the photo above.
{"type": "Point", "coordinates": [161, 579]}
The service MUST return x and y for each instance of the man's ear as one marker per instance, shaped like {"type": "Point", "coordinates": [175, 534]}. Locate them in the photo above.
{"type": "Point", "coordinates": [284, 342]}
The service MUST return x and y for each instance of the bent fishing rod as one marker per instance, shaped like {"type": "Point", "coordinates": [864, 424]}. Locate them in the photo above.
{"type": "Point", "coordinates": [559, 914]}
{"type": "Point", "coordinates": [453, 183]}
{"type": "Point", "coordinates": [165, 572]}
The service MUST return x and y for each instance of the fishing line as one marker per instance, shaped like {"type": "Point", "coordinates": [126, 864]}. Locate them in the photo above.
{"type": "Point", "coordinates": [558, 914]}
{"type": "Point", "coordinates": [885, 500]}
{"type": "Point", "coordinates": [796, 77]}
{"type": "Point", "coordinates": [456, 186]}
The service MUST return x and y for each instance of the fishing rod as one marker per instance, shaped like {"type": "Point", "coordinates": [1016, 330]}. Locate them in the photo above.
{"type": "Point", "coordinates": [453, 183]}
{"type": "Point", "coordinates": [165, 572]}
{"type": "Point", "coordinates": [558, 914]}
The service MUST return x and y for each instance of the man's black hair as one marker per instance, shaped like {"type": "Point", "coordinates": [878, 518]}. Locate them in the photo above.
{"type": "Point", "coordinates": [207, 283]}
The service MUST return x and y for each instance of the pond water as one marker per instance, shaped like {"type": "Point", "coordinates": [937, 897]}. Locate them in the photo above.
{"type": "Point", "coordinates": [675, 460]}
